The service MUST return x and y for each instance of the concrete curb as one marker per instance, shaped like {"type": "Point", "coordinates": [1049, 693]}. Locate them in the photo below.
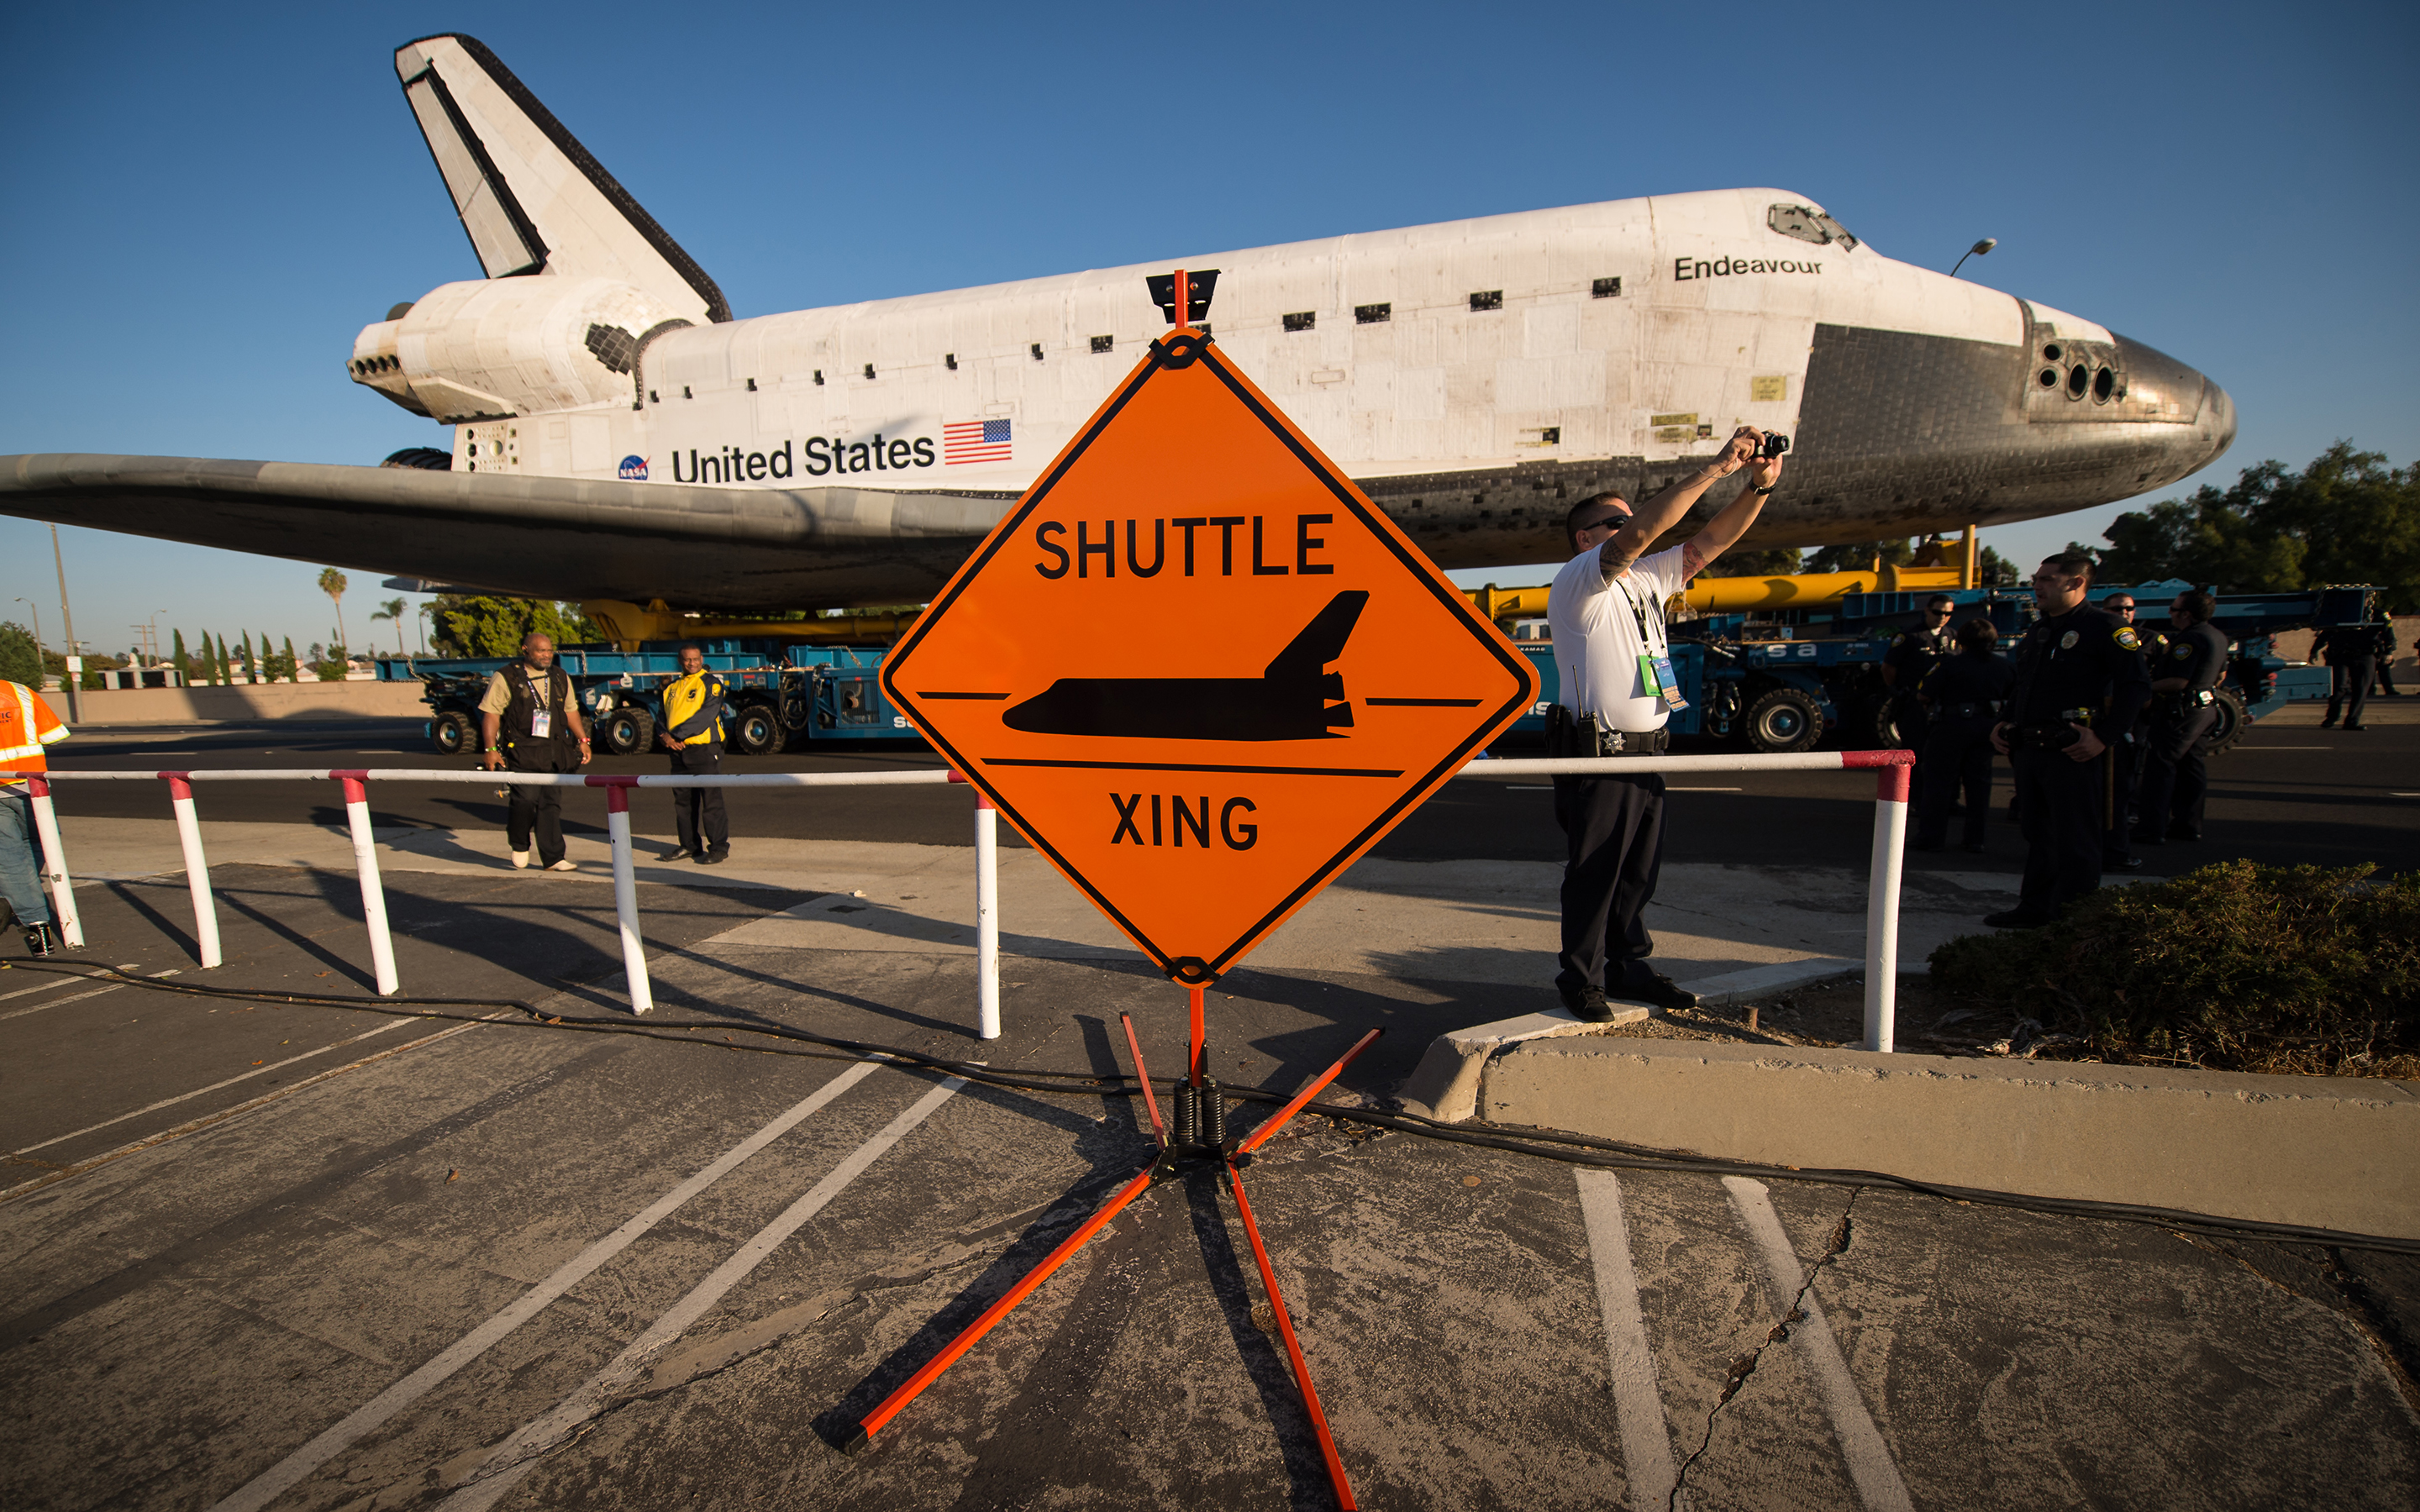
{"type": "Point", "coordinates": [2328, 1151]}
{"type": "Point", "coordinates": [1445, 1085]}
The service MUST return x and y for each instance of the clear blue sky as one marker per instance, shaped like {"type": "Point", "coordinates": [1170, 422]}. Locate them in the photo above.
{"type": "Point", "coordinates": [206, 203]}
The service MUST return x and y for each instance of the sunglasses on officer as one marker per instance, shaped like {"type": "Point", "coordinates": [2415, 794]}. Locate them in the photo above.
{"type": "Point", "coordinates": [2116, 606]}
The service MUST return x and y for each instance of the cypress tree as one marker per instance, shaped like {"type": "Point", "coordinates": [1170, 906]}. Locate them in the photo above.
{"type": "Point", "coordinates": [226, 663]}
{"type": "Point", "coordinates": [293, 667]}
{"type": "Point", "coordinates": [177, 659]}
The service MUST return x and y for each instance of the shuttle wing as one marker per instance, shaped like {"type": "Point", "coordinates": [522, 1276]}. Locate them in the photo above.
{"type": "Point", "coordinates": [728, 548]}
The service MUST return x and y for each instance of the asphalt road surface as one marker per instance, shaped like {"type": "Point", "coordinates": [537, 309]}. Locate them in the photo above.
{"type": "Point", "coordinates": [2288, 794]}
{"type": "Point", "coordinates": [289, 1256]}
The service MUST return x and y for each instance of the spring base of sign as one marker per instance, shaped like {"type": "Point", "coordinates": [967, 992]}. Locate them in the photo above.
{"type": "Point", "coordinates": [1193, 1143]}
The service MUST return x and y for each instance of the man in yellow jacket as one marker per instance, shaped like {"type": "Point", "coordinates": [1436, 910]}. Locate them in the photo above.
{"type": "Point", "coordinates": [28, 731]}
{"type": "Point", "coordinates": [693, 711]}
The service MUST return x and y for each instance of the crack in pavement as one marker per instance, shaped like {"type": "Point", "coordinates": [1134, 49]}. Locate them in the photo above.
{"type": "Point", "coordinates": [2351, 1302]}
{"type": "Point", "coordinates": [1745, 1365]}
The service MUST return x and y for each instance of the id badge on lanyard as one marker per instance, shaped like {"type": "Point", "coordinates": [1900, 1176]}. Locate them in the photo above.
{"type": "Point", "coordinates": [1656, 675]}
{"type": "Point", "coordinates": [541, 718]}
{"type": "Point", "coordinates": [1654, 668]}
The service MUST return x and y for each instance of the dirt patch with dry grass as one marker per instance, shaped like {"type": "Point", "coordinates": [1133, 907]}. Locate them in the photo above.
{"type": "Point", "coordinates": [1832, 1016]}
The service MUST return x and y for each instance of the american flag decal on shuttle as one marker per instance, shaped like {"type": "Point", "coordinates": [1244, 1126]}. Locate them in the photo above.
{"type": "Point", "coordinates": [975, 441]}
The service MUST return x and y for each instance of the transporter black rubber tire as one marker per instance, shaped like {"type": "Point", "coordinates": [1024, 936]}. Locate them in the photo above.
{"type": "Point", "coordinates": [1784, 720]}
{"type": "Point", "coordinates": [451, 732]}
{"type": "Point", "coordinates": [2231, 723]}
{"type": "Point", "coordinates": [755, 730]}
{"type": "Point", "coordinates": [627, 732]}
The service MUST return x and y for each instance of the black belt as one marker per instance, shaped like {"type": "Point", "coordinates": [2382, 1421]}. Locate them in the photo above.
{"type": "Point", "coordinates": [1587, 737]}
{"type": "Point", "coordinates": [1967, 710]}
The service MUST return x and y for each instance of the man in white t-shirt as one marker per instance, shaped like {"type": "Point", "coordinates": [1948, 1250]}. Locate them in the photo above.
{"type": "Point", "coordinates": [1606, 613]}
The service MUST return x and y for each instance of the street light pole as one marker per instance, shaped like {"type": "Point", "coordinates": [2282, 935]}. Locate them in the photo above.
{"type": "Point", "coordinates": [1977, 250]}
{"type": "Point", "coordinates": [72, 673]}
{"type": "Point", "coordinates": [40, 671]}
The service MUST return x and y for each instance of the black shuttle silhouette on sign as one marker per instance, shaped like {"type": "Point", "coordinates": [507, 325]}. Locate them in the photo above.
{"type": "Point", "coordinates": [1293, 699]}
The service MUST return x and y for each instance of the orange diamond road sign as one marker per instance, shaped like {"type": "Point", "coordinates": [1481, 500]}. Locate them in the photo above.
{"type": "Point", "coordinates": [1198, 668]}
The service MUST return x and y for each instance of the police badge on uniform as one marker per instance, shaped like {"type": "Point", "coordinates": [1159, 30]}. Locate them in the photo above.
{"type": "Point", "coordinates": [2067, 642]}
{"type": "Point", "coordinates": [2127, 638]}
{"type": "Point", "coordinates": [2181, 651]}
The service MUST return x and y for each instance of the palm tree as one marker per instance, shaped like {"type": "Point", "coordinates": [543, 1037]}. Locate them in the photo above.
{"type": "Point", "coordinates": [391, 609]}
{"type": "Point", "coordinates": [332, 584]}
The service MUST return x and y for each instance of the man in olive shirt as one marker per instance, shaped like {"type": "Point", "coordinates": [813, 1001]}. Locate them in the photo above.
{"type": "Point", "coordinates": [530, 721]}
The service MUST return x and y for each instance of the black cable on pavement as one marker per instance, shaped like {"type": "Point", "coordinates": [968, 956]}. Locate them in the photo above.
{"type": "Point", "coordinates": [1547, 1144]}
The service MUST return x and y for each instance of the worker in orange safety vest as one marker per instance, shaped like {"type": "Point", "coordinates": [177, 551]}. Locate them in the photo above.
{"type": "Point", "coordinates": [27, 730]}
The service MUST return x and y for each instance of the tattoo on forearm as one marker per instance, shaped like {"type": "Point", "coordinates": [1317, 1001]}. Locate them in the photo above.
{"type": "Point", "coordinates": [1693, 560]}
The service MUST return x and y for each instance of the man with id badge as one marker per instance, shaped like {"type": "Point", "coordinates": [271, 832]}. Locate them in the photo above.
{"type": "Point", "coordinates": [1615, 666]}
{"type": "Point", "coordinates": [530, 721]}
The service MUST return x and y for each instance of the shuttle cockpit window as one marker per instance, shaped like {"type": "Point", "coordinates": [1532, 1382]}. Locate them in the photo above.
{"type": "Point", "coordinates": [1807, 224]}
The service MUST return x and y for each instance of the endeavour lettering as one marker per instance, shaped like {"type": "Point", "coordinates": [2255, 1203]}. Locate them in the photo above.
{"type": "Point", "coordinates": [1687, 271]}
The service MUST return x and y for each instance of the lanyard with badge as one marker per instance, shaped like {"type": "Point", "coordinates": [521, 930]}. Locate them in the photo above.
{"type": "Point", "coordinates": [1654, 667]}
{"type": "Point", "coordinates": [541, 716]}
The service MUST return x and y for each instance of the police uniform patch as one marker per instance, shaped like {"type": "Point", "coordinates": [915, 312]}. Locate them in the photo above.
{"type": "Point", "coordinates": [2127, 638]}
{"type": "Point", "coordinates": [2067, 642]}
{"type": "Point", "coordinates": [2181, 651]}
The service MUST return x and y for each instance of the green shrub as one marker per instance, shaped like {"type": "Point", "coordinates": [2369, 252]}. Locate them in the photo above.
{"type": "Point", "coordinates": [2234, 967]}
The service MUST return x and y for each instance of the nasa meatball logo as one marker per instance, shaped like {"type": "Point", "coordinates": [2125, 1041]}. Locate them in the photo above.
{"type": "Point", "coordinates": [634, 468]}
{"type": "Point", "coordinates": [2067, 642]}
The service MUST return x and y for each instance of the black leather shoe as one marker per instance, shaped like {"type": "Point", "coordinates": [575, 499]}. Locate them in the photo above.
{"type": "Point", "coordinates": [2016, 918]}
{"type": "Point", "coordinates": [715, 858]}
{"type": "Point", "coordinates": [1588, 1006]}
{"type": "Point", "coordinates": [1662, 992]}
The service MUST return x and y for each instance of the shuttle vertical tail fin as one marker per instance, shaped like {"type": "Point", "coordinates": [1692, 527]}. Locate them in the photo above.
{"type": "Point", "coordinates": [1323, 640]}
{"type": "Point", "coordinates": [531, 196]}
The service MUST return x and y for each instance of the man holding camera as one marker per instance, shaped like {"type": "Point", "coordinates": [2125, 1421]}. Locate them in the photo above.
{"type": "Point", "coordinates": [2080, 682]}
{"type": "Point", "coordinates": [1615, 668]}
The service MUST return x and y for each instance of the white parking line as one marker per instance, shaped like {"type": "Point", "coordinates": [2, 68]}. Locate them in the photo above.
{"type": "Point", "coordinates": [1861, 1443]}
{"type": "Point", "coordinates": [266, 1486]}
{"type": "Point", "coordinates": [519, 1454]}
{"type": "Point", "coordinates": [78, 997]}
{"type": "Point", "coordinates": [70, 979]}
{"type": "Point", "coordinates": [187, 1097]}
{"type": "Point", "coordinates": [1646, 1441]}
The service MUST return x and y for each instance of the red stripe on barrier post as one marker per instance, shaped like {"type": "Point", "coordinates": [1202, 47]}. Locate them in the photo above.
{"type": "Point", "coordinates": [366, 867]}
{"type": "Point", "coordinates": [1891, 775]}
{"type": "Point", "coordinates": [54, 860]}
{"type": "Point", "coordinates": [198, 868]}
{"type": "Point", "coordinates": [626, 887]}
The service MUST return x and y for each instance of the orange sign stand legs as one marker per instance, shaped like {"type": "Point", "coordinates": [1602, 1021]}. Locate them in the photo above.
{"type": "Point", "coordinates": [1194, 1142]}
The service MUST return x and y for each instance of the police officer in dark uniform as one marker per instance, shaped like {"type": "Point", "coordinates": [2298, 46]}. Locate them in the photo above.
{"type": "Point", "coordinates": [2079, 672]}
{"type": "Point", "coordinates": [2126, 750]}
{"type": "Point", "coordinates": [2382, 649]}
{"type": "Point", "coordinates": [2351, 651]}
{"type": "Point", "coordinates": [2184, 707]}
{"type": "Point", "coordinates": [1962, 695]}
{"type": "Point", "coordinates": [1912, 654]}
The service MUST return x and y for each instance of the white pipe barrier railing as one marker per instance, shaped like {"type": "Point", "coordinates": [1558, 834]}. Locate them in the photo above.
{"type": "Point", "coordinates": [1882, 877]}
{"type": "Point", "coordinates": [617, 827]}
{"type": "Point", "coordinates": [1881, 905]}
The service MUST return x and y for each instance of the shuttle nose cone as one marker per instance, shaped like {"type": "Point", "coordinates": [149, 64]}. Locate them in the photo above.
{"type": "Point", "coordinates": [2158, 388]}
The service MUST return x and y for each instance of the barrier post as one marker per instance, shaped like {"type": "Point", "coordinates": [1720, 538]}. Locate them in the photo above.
{"type": "Point", "coordinates": [357, 817]}
{"type": "Point", "coordinates": [988, 916]}
{"type": "Point", "coordinates": [197, 868]}
{"type": "Point", "coordinates": [1882, 907]}
{"type": "Point", "coordinates": [626, 889]}
{"type": "Point", "coordinates": [46, 824]}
